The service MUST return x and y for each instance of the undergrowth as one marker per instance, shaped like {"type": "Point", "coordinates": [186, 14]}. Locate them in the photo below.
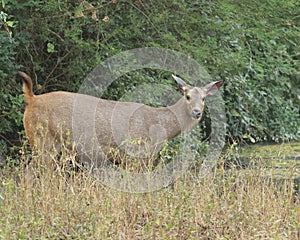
{"type": "Point", "coordinates": [59, 203]}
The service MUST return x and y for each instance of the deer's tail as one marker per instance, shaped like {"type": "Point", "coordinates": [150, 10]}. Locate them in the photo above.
{"type": "Point", "coordinates": [27, 86]}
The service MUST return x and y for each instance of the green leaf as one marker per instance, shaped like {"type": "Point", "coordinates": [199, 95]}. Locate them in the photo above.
{"type": "Point", "coordinates": [10, 23]}
{"type": "Point", "coordinates": [50, 48]}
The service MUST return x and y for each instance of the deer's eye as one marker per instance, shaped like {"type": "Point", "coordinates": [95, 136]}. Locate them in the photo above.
{"type": "Point", "coordinates": [188, 97]}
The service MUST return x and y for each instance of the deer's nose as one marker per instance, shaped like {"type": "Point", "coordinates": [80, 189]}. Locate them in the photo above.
{"type": "Point", "coordinates": [196, 114]}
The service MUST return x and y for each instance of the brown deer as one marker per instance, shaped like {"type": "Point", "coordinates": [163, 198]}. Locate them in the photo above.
{"type": "Point", "coordinates": [96, 126]}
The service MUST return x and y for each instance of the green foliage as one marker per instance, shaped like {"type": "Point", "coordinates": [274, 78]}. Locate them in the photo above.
{"type": "Point", "coordinates": [262, 99]}
{"type": "Point", "coordinates": [252, 45]}
{"type": "Point", "coordinates": [10, 103]}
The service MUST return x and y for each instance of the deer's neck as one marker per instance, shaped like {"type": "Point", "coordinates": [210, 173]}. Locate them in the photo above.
{"type": "Point", "coordinates": [175, 119]}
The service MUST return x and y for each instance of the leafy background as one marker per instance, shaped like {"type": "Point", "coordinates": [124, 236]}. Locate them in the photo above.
{"type": "Point", "coordinates": [252, 45]}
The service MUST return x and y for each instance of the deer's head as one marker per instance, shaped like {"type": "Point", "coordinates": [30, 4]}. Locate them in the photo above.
{"type": "Point", "coordinates": [195, 96]}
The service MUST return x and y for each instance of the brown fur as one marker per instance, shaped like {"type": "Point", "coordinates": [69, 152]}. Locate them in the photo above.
{"type": "Point", "coordinates": [62, 119]}
{"type": "Point", "coordinates": [27, 86]}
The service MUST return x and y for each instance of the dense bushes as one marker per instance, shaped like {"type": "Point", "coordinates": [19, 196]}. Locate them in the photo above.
{"type": "Point", "coordinates": [253, 46]}
{"type": "Point", "coordinates": [10, 100]}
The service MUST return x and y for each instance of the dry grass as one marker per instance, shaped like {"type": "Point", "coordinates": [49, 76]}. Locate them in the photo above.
{"type": "Point", "coordinates": [62, 204]}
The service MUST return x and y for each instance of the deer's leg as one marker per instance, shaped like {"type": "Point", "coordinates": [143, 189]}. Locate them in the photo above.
{"type": "Point", "coordinates": [44, 153]}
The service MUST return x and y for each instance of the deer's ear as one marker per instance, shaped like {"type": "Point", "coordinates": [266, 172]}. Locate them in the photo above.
{"type": "Point", "coordinates": [182, 84]}
{"type": "Point", "coordinates": [212, 88]}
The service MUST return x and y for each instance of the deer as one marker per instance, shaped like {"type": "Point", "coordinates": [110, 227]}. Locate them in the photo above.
{"type": "Point", "coordinates": [95, 126]}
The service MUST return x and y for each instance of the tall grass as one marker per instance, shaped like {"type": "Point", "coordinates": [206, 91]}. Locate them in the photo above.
{"type": "Point", "coordinates": [63, 204]}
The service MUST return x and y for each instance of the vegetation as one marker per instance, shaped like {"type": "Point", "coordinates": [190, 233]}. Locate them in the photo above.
{"type": "Point", "coordinates": [253, 46]}
{"type": "Point", "coordinates": [229, 204]}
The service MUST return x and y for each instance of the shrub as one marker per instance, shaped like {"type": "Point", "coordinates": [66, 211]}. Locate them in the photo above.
{"type": "Point", "coordinates": [10, 102]}
{"type": "Point", "coordinates": [60, 42]}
